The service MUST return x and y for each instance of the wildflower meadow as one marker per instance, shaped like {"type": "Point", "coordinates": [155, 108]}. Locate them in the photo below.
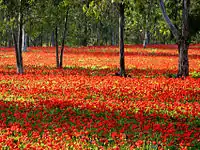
{"type": "Point", "coordinates": [86, 106]}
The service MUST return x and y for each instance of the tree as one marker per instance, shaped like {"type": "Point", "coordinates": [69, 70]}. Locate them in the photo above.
{"type": "Point", "coordinates": [121, 38]}
{"type": "Point", "coordinates": [120, 5]}
{"type": "Point", "coordinates": [15, 18]}
{"type": "Point", "coordinates": [194, 20]}
{"type": "Point", "coordinates": [182, 37]}
{"type": "Point", "coordinates": [145, 9]}
{"type": "Point", "coordinates": [63, 5]}
{"type": "Point", "coordinates": [59, 61]}
{"type": "Point", "coordinates": [24, 39]}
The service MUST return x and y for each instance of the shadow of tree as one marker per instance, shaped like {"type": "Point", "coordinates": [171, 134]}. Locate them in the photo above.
{"type": "Point", "coordinates": [106, 121]}
{"type": "Point", "coordinates": [85, 71]}
{"type": "Point", "coordinates": [97, 121]}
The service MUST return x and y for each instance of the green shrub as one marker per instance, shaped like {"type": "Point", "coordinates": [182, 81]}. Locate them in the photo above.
{"type": "Point", "coordinates": [195, 74]}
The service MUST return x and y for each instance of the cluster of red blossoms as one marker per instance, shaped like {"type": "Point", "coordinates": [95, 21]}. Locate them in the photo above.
{"type": "Point", "coordinates": [85, 106]}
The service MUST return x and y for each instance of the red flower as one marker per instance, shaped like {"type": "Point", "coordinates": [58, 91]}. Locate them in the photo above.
{"type": "Point", "coordinates": [114, 135]}
{"type": "Point", "coordinates": [139, 143]}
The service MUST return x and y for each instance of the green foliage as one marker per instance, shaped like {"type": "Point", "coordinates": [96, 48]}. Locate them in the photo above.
{"type": "Point", "coordinates": [196, 38]}
{"type": "Point", "coordinates": [195, 74]}
{"type": "Point", "coordinates": [95, 22]}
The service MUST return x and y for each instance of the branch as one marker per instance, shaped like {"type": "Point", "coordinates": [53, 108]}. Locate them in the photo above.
{"type": "Point", "coordinates": [171, 25]}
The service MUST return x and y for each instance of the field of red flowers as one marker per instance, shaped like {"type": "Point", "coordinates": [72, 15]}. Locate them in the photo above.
{"type": "Point", "coordinates": [84, 106]}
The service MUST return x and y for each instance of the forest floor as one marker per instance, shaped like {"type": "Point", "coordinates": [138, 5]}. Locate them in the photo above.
{"type": "Point", "coordinates": [85, 106]}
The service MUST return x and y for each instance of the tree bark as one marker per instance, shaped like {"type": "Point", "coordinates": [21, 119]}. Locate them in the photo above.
{"type": "Point", "coordinates": [112, 37]}
{"type": "Point", "coordinates": [121, 39]}
{"type": "Point", "coordinates": [9, 43]}
{"type": "Point", "coordinates": [57, 48]}
{"type": "Point", "coordinates": [52, 40]}
{"type": "Point", "coordinates": [28, 40]}
{"type": "Point", "coordinates": [18, 44]}
{"type": "Point", "coordinates": [85, 37]}
{"type": "Point", "coordinates": [41, 40]}
{"type": "Point", "coordinates": [25, 43]}
{"type": "Point", "coordinates": [16, 50]}
{"type": "Point", "coordinates": [63, 40]}
{"type": "Point", "coordinates": [183, 67]}
{"type": "Point", "coordinates": [183, 63]}
{"type": "Point", "coordinates": [145, 41]}
{"type": "Point", "coordinates": [20, 65]}
{"type": "Point", "coordinates": [23, 32]}
{"type": "Point", "coordinates": [24, 40]}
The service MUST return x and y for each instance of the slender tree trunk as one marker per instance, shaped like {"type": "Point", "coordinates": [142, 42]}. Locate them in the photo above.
{"type": "Point", "coordinates": [117, 35]}
{"type": "Point", "coordinates": [41, 40]}
{"type": "Point", "coordinates": [146, 38]}
{"type": "Point", "coordinates": [25, 43]}
{"type": "Point", "coordinates": [24, 40]}
{"type": "Point", "coordinates": [145, 41]}
{"type": "Point", "coordinates": [9, 42]}
{"type": "Point", "coordinates": [23, 32]}
{"type": "Point", "coordinates": [112, 40]}
{"type": "Point", "coordinates": [16, 50]}
{"type": "Point", "coordinates": [18, 44]}
{"type": "Point", "coordinates": [57, 48]}
{"type": "Point", "coordinates": [28, 40]}
{"type": "Point", "coordinates": [48, 42]}
{"type": "Point", "coordinates": [112, 30]}
{"type": "Point", "coordinates": [121, 40]}
{"type": "Point", "coordinates": [63, 40]}
{"type": "Point", "coordinates": [147, 23]}
{"type": "Point", "coordinates": [52, 40]}
{"type": "Point", "coordinates": [20, 65]}
{"type": "Point", "coordinates": [85, 39]}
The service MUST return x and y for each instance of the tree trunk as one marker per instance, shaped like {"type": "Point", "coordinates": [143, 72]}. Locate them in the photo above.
{"type": "Point", "coordinates": [182, 38]}
{"type": "Point", "coordinates": [16, 50]}
{"type": "Point", "coordinates": [41, 40]}
{"type": "Point", "coordinates": [63, 40]}
{"type": "Point", "coordinates": [9, 43]}
{"type": "Point", "coordinates": [57, 48]}
{"type": "Point", "coordinates": [183, 66]}
{"type": "Point", "coordinates": [145, 41]}
{"type": "Point", "coordinates": [147, 23]}
{"type": "Point", "coordinates": [28, 40]}
{"type": "Point", "coordinates": [121, 40]}
{"type": "Point", "coordinates": [85, 37]}
{"type": "Point", "coordinates": [18, 44]}
{"type": "Point", "coordinates": [25, 43]}
{"type": "Point", "coordinates": [183, 63]}
{"type": "Point", "coordinates": [48, 40]}
{"type": "Point", "coordinates": [52, 40]}
{"type": "Point", "coordinates": [23, 32]}
{"type": "Point", "coordinates": [112, 37]}
{"type": "Point", "coordinates": [24, 40]}
{"type": "Point", "coordinates": [20, 65]}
